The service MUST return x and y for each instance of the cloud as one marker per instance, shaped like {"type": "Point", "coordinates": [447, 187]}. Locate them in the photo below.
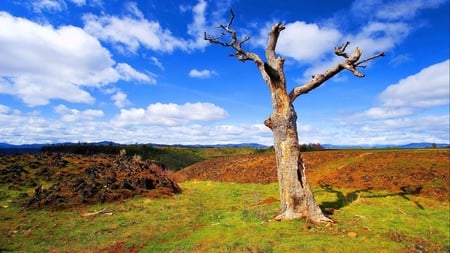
{"type": "Point", "coordinates": [35, 90]}
{"type": "Point", "coordinates": [198, 26]}
{"type": "Point", "coordinates": [427, 88]}
{"type": "Point", "coordinates": [72, 115]}
{"type": "Point", "coordinates": [40, 62]}
{"type": "Point", "coordinates": [202, 74]}
{"type": "Point", "coordinates": [78, 2]}
{"type": "Point", "coordinates": [430, 87]}
{"type": "Point", "coordinates": [400, 116]}
{"type": "Point", "coordinates": [379, 36]}
{"type": "Point", "coordinates": [372, 38]}
{"type": "Point", "coordinates": [157, 62]}
{"type": "Point", "coordinates": [169, 114]}
{"type": "Point", "coordinates": [133, 31]}
{"type": "Point", "coordinates": [306, 42]}
{"type": "Point", "coordinates": [134, 10]}
{"type": "Point", "coordinates": [386, 113]}
{"type": "Point", "coordinates": [127, 73]}
{"type": "Point", "coordinates": [401, 130]}
{"type": "Point", "coordinates": [399, 59]}
{"type": "Point", "coordinates": [387, 24]}
{"type": "Point", "coordinates": [120, 99]}
{"type": "Point", "coordinates": [313, 44]}
{"type": "Point", "coordinates": [22, 128]}
{"type": "Point", "coordinates": [48, 5]}
{"type": "Point", "coordinates": [392, 10]}
{"type": "Point", "coordinates": [301, 41]}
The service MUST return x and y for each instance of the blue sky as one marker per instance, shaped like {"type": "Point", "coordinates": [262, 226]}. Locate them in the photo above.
{"type": "Point", "coordinates": [140, 72]}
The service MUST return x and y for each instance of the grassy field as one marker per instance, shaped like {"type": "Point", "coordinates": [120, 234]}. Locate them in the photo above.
{"type": "Point", "coordinates": [372, 195]}
{"type": "Point", "coordinates": [228, 217]}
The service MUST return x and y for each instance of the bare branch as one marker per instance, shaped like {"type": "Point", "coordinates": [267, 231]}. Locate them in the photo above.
{"type": "Point", "coordinates": [215, 40]}
{"type": "Point", "coordinates": [350, 63]}
{"type": "Point", "coordinates": [273, 39]}
{"type": "Point", "coordinates": [231, 19]}
{"type": "Point", "coordinates": [234, 42]}
{"type": "Point", "coordinates": [340, 51]}
{"type": "Point", "coordinates": [381, 54]}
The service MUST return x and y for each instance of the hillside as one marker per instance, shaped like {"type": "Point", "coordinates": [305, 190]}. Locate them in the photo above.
{"type": "Point", "coordinates": [423, 172]}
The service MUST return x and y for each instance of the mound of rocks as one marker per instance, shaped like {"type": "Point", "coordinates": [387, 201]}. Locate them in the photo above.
{"type": "Point", "coordinates": [104, 182]}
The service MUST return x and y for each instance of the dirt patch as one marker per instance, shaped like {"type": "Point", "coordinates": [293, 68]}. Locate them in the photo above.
{"type": "Point", "coordinates": [421, 172]}
{"type": "Point", "coordinates": [76, 180]}
{"type": "Point", "coordinates": [418, 245]}
{"type": "Point", "coordinates": [119, 247]}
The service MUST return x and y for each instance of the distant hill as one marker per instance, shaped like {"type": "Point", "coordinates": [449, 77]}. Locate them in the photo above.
{"type": "Point", "coordinates": [6, 148]}
{"type": "Point", "coordinates": [24, 146]}
{"type": "Point", "coordinates": [424, 145]}
{"type": "Point", "coordinates": [239, 145]}
{"type": "Point", "coordinates": [406, 146]}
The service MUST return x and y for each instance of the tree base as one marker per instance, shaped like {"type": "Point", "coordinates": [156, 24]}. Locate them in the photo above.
{"type": "Point", "coordinates": [317, 218]}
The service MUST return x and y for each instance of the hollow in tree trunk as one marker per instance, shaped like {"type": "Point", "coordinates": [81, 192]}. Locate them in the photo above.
{"type": "Point", "coordinates": [296, 198]}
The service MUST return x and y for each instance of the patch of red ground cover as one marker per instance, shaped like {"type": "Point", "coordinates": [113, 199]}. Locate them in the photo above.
{"type": "Point", "coordinates": [423, 172]}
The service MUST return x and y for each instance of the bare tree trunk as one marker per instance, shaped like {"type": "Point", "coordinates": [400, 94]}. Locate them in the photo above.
{"type": "Point", "coordinates": [296, 198]}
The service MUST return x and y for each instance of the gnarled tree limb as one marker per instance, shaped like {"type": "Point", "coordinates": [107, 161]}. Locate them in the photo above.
{"type": "Point", "coordinates": [350, 63]}
{"type": "Point", "coordinates": [267, 70]}
{"type": "Point", "coordinates": [234, 42]}
{"type": "Point", "coordinates": [272, 70]}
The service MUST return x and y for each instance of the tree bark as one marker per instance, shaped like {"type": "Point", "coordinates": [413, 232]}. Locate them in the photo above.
{"type": "Point", "coordinates": [296, 198]}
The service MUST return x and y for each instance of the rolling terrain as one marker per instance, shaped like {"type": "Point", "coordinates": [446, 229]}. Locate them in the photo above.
{"type": "Point", "coordinates": [381, 201]}
{"type": "Point", "coordinates": [424, 172]}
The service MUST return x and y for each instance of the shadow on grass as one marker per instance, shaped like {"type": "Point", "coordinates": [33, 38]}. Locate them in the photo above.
{"type": "Point", "coordinates": [344, 200]}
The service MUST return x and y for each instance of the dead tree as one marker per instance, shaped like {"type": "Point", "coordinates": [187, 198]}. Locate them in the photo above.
{"type": "Point", "coordinates": [297, 200]}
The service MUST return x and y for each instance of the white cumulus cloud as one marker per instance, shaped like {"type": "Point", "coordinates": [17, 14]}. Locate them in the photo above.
{"type": "Point", "coordinates": [41, 62]}
{"type": "Point", "coordinates": [202, 74]}
{"type": "Point", "coordinates": [400, 117]}
{"type": "Point", "coordinates": [120, 99]}
{"type": "Point", "coordinates": [306, 42]}
{"type": "Point", "coordinates": [429, 87]}
{"type": "Point", "coordinates": [128, 73]}
{"type": "Point", "coordinates": [72, 115]}
{"type": "Point", "coordinates": [170, 114]}
{"type": "Point", "coordinates": [198, 26]}
{"type": "Point", "coordinates": [130, 32]}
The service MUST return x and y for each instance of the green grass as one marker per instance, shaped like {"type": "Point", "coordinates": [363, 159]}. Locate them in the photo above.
{"type": "Point", "coordinates": [176, 158]}
{"type": "Point", "coordinates": [228, 217]}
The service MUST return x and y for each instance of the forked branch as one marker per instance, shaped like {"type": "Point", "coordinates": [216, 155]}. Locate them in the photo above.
{"type": "Point", "coordinates": [234, 42]}
{"type": "Point", "coordinates": [340, 51]}
{"type": "Point", "coordinates": [350, 63]}
{"type": "Point", "coordinates": [273, 72]}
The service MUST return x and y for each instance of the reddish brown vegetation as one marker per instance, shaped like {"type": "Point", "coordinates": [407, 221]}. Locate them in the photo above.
{"type": "Point", "coordinates": [75, 180]}
{"type": "Point", "coordinates": [424, 172]}
{"type": "Point", "coordinates": [119, 247]}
